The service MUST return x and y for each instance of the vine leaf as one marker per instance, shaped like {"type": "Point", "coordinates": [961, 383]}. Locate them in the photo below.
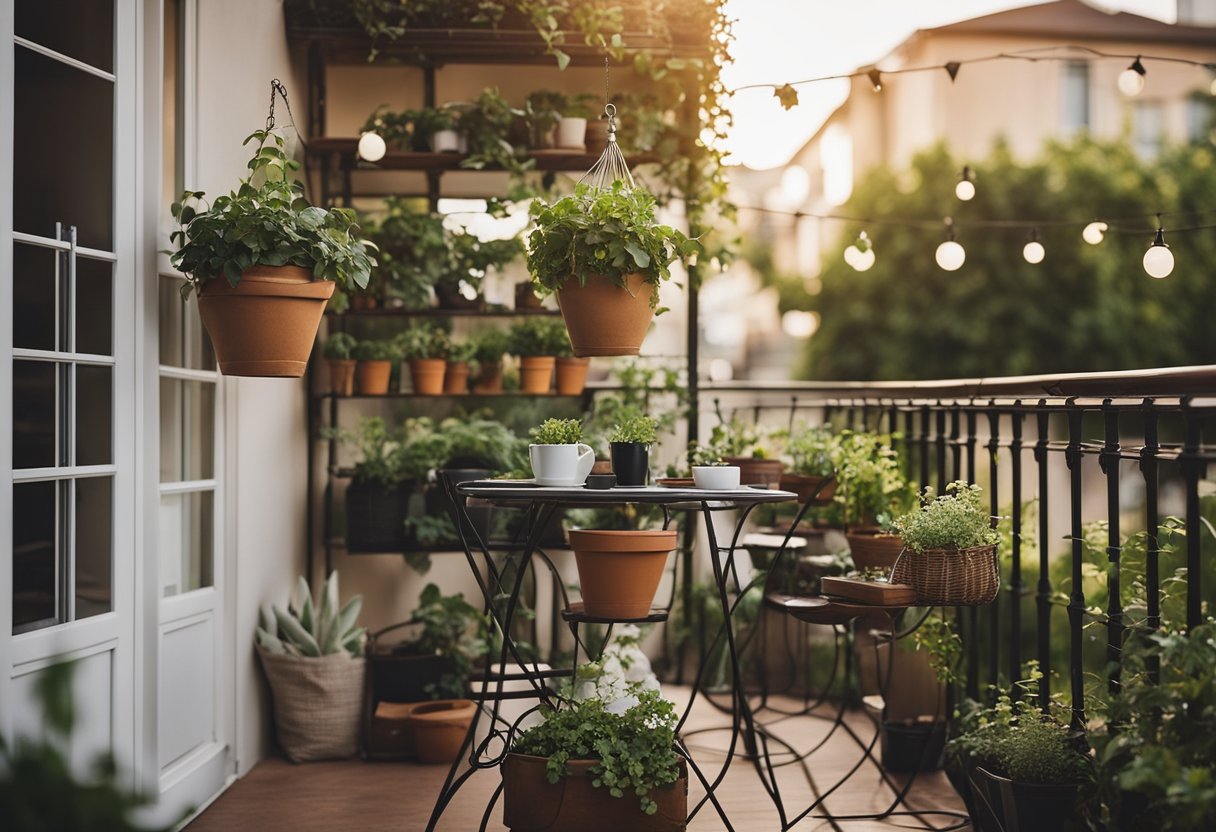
{"type": "Point", "coordinates": [787, 95]}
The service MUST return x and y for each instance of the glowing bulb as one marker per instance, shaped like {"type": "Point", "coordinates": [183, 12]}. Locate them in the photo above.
{"type": "Point", "coordinates": [851, 254]}
{"type": "Point", "coordinates": [950, 256]}
{"type": "Point", "coordinates": [1159, 260]}
{"type": "Point", "coordinates": [372, 147]}
{"type": "Point", "coordinates": [1131, 80]}
{"type": "Point", "coordinates": [1034, 252]}
{"type": "Point", "coordinates": [965, 189]}
{"type": "Point", "coordinates": [860, 255]}
{"type": "Point", "coordinates": [1094, 232]}
{"type": "Point", "coordinates": [864, 260]}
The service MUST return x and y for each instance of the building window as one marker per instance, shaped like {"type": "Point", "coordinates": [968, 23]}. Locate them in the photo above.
{"type": "Point", "coordinates": [1148, 129]}
{"type": "Point", "coordinates": [1200, 119]}
{"type": "Point", "coordinates": [1074, 96]}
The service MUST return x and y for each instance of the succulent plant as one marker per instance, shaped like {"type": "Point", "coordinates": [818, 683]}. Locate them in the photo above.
{"type": "Point", "coordinates": [313, 630]}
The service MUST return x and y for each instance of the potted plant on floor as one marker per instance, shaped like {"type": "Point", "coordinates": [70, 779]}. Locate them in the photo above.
{"type": "Point", "coordinates": [312, 655]}
{"type": "Point", "coordinates": [456, 377]}
{"type": "Point", "coordinates": [949, 549]}
{"type": "Point", "coordinates": [872, 492]}
{"type": "Point", "coordinates": [605, 760]}
{"type": "Point", "coordinates": [377, 498]}
{"type": "Point", "coordinates": [605, 256]}
{"type": "Point", "coordinates": [630, 443]}
{"type": "Point", "coordinates": [537, 341]}
{"type": "Point", "coordinates": [489, 348]}
{"type": "Point", "coordinates": [558, 455]}
{"type": "Point", "coordinates": [374, 366]}
{"type": "Point", "coordinates": [338, 351]}
{"type": "Point", "coordinates": [264, 262]}
{"type": "Point", "coordinates": [425, 347]}
{"type": "Point", "coordinates": [810, 463]}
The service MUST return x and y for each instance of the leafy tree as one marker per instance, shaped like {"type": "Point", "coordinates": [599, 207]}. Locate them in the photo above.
{"type": "Point", "coordinates": [1084, 308]}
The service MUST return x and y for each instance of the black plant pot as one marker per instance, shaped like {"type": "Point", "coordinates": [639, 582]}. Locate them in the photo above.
{"type": "Point", "coordinates": [375, 517]}
{"type": "Point", "coordinates": [915, 747]}
{"type": "Point", "coordinates": [630, 462]}
{"type": "Point", "coordinates": [1005, 805]}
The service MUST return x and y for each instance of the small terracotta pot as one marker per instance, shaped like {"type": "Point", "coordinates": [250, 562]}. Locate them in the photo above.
{"type": "Point", "coordinates": [456, 379]}
{"type": "Point", "coordinates": [874, 551]}
{"type": "Point", "coordinates": [426, 375]}
{"type": "Point", "coordinates": [753, 471]}
{"type": "Point", "coordinates": [525, 296]}
{"type": "Point", "coordinates": [619, 571]}
{"type": "Point", "coordinates": [266, 324]}
{"type": "Point", "coordinates": [342, 376]}
{"type": "Point", "coordinates": [604, 319]}
{"type": "Point", "coordinates": [488, 380]}
{"type": "Point", "coordinates": [806, 486]}
{"type": "Point", "coordinates": [602, 466]}
{"type": "Point", "coordinates": [535, 373]}
{"type": "Point", "coordinates": [373, 376]}
{"type": "Point", "coordinates": [439, 729]}
{"type": "Point", "coordinates": [572, 376]}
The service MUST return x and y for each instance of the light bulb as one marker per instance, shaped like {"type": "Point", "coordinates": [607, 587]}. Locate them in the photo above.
{"type": "Point", "coordinates": [1094, 232]}
{"type": "Point", "coordinates": [875, 80]}
{"type": "Point", "coordinates": [950, 256]}
{"type": "Point", "coordinates": [1159, 260]}
{"type": "Point", "coordinates": [371, 147]}
{"type": "Point", "coordinates": [864, 260]}
{"type": "Point", "coordinates": [1131, 80]}
{"type": "Point", "coordinates": [965, 189]}
{"type": "Point", "coordinates": [1034, 252]}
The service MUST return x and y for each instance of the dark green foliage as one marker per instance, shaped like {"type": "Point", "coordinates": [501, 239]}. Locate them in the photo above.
{"type": "Point", "coordinates": [635, 427]}
{"type": "Point", "coordinates": [491, 345]}
{"type": "Point", "coordinates": [423, 340]}
{"type": "Point", "coordinates": [558, 432]}
{"type": "Point", "coordinates": [450, 627]}
{"type": "Point", "coordinates": [413, 251]}
{"type": "Point", "coordinates": [539, 336]}
{"type": "Point", "coordinates": [340, 346]}
{"type": "Point", "coordinates": [376, 351]}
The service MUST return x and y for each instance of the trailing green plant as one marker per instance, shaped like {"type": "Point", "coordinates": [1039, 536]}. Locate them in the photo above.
{"type": "Point", "coordinates": [635, 427]}
{"type": "Point", "coordinates": [538, 335]}
{"type": "Point", "coordinates": [635, 749]}
{"type": "Point", "coordinates": [871, 488]}
{"type": "Point", "coordinates": [266, 222]}
{"type": "Point", "coordinates": [423, 340]}
{"type": "Point", "coordinates": [486, 124]}
{"type": "Point", "coordinates": [376, 351]}
{"type": "Point", "coordinates": [810, 451]}
{"type": "Point", "coordinates": [450, 627]}
{"type": "Point", "coordinates": [414, 251]}
{"type": "Point", "coordinates": [558, 432]}
{"type": "Point", "coordinates": [954, 520]}
{"type": "Point", "coordinates": [340, 346]}
{"type": "Point", "coordinates": [312, 630]}
{"type": "Point", "coordinates": [611, 232]}
{"type": "Point", "coordinates": [937, 637]}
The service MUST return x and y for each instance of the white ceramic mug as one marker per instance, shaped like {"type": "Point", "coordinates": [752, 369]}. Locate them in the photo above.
{"type": "Point", "coordinates": [572, 132]}
{"type": "Point", "coordinates": [562, 465]}
{"type": "Point", "coordinates": [445, 141]}
{"type": "Point", "coordinates": [716, 477]}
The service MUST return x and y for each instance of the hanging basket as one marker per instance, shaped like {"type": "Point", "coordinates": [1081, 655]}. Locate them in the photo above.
{"type": "Point", "coordinates": [604, 318]}
{"type": "Point", "coordinates": [950, 577]}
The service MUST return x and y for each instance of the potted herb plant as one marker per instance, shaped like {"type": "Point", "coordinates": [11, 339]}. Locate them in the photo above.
{"type": "Point", "coordinates": [436, 129]}
{"type": "Point", "coordinates": [456, 378]}
{"type": "Point", "coordinates": [630, 443]}
{"type": "Point", "coordinates": [710, 470]}
{"type": "Point", "coordinates": [542, 113]}
{"type": "Point", "coordinates": [810, 454]}
{"type": "Point", "coordinates": [312, 654]}
{"type": "Point", "coordinates": [558, 455]}
{"type": "Point", "coordinates": [375, 366]}
{"type": "Point", "coordinates": [537, 341]}
{"type": "Point", "coordinates": [264, 262]}
{"type": "Point", "coordinates": [489, 347]}
{"type": "Point", "coordinates": [425, 347]}
{"type": "Point", "coordinates": [872, 492]}
{"type": "Point", "coordinates": [597, 764]}
{"type": "Point", "coordinates": [338, 351]}
{"type": "Point", "coordinates": [605, 255]}
{"type": "Point", "coordinates": [949, 547]}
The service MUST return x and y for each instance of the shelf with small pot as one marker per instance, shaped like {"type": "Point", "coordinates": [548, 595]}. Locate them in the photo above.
{"type": "Point", "coordinates": [344, 150]}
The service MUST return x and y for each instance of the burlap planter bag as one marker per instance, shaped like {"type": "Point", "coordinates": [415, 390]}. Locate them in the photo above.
{"type": "Point", "coordinates": [318, 704]}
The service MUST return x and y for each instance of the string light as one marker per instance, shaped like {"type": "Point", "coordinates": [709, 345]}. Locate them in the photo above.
{"type": "Point", "coordinates": [860, 255]}
{"type": "Point", "coordinates": [875, 79]}
{"type": "Point", "coordinates": [372, 147]}
{"type": "Point", "coordinates": [1131, 80]}
{"type": "Point", "coordinates": [950, 255]}
{"type": "Point", "coordinates": [1033, 252]}
{"type": "Point", "coordinates": [1094, 232]}
{"type": "Point", "coordinates": [965, 189]}
{"type": "Point", "coordinates": [1159, 260]}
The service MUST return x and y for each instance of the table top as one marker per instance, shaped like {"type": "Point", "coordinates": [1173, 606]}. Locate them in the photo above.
{"type": "Point", "coordinates": [524, 491]}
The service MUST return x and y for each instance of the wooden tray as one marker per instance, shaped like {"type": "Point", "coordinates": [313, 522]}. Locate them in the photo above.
{"type": "Point", "coordinates": [676, 482]}
{"type": "Point", "coordinates": [876, 593]}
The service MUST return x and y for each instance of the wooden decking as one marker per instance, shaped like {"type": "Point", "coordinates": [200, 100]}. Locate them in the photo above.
{"type": "Point", "coordinates": [378, 797]}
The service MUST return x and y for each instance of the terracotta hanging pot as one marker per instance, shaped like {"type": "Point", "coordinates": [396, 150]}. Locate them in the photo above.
{"type": "Point", "coordinates": [619, 571]}
{"type": "Point", "coordinates": [439, 729]}
{"type": "Point", "coordinates": [456, 378]}
{"type": "Point", "coordinates": [373, 376]}
{"type": "Point", "coordinates": [488, 380]}
{"type": "Point", "coordinates": [572, 376]}
{"type": "Point", "coordinates": [266, 324]}
{"type": "Point", "coordinates": [806, 486]}
{"type": "Point", "coordinates": [755, 471]}
{"type": "Point", "coordinates": [342, 376]}
{"type": "Point", "coordinates": [604, 319]}
{"type": "Point", "coordinates": [871, 550]}
{"type": "Point", "coordinates": [426, 374]}
{"type": "Point", "coordinates": [535, 374]}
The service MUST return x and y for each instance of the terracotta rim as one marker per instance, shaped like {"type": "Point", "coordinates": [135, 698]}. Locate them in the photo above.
{"type": "Point", "coordinates": [443, 711]}
{"type": "Point", "coordinates": [622, 542]}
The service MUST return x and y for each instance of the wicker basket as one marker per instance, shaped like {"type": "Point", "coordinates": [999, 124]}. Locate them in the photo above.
{"type": "Point", "coordinates": [950, 577]}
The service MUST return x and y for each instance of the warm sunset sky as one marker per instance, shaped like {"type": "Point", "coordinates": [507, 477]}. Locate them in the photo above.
{"type": "Point", "coordinates": [780, 40]}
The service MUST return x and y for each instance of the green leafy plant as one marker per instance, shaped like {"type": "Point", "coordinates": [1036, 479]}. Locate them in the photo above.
{"type": "Point", "coordinates": [414, 252]}
{"type": "Point", "coordinates": [610, 232]}
{"type": "Point", "coordinates": [480, 443]}
{"type": "Point", "coordinates": [558, 432]}
{"type": "Point", "coordinates": [376, 351]}
{"type": "Point", "coordinates": [936, 636]}
{"type": "Point", "coordinates": [538, 336]}
{"type": "Point", "coordinates": [871, 486]}
{"type": "Point", "coordinates": [490, 346]}
{"type": "Point", "coordinates": [462, 352]}
{"type": "Point", "coordinates": [269, 223]}
{"type": "Point", "coordinates": [542, 110]}
{"type": "Point", "coordinates": [423, 340]}
{"type": "Point", "coordinates": [312, 629]}
{"type": "Point", "coordinates": [396, 128]}
{"type": "Point", "coordinates": [486, 124]}
{"type": "Point", "coordinates": [450, 627]}
{"type": "Point", "coordinates": [810, 451]}
{"type": "Point", "coordinates": [430, 120]}
{"type": "Point", "coordinates": [738, 437]}
{"type": "Point", "coordinates": [635, 427]}
{"type": "Point", "coordinates": [378, 451]}
{"type": "Point", "coordinates": [954, 520]}
{"type": "Point", "coordinates": [702, 456]}
{"type": "Point", "coordinates": [340, 346]}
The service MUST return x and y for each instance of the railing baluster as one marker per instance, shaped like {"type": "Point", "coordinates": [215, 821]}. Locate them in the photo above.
{"type": "Point", "coordinates": [1109, 460]}
{"type": "Point", "coordinates": [940, 440]}
{"type": "Point", "coordinates": [909, 439]}
{"type": "Point", "coordinates": [1043, 593]}
{"type": "Point", "coordinates": [1015, 571]}
{"type": "Point", "coordinates": [893, 423]}
{"type": "Point", "coordinates": [994, 504]}
{"type": "Point", "coordinates": [1192, 473]}
{"type": "Point", "coordinates": [973, 615]}
{"type": "Point", "coordinates": [924, 445]}
{"type": "Point", "coordinates": [956, 449]}
{"type": "Point", "coordinates": [1152, 522]}
{"type": "Point", "coordinates": [1076, 601]}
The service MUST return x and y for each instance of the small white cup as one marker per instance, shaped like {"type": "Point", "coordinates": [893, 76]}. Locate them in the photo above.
{"type": "Point", "coordinates": [572, 132]}
{"type": "Point", "coordinates": [716, 477]}
{"type": "Point", "coordinates": [445, 141]}
{"type": "Point", "coordinates": [561, 465]}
